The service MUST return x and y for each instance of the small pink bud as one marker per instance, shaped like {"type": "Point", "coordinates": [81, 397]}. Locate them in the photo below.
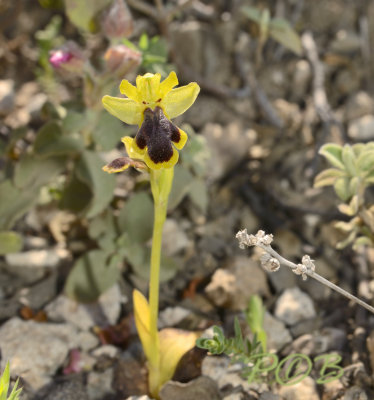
{"type": "Point", "coordinates": [67, 59]}
{"type": "Point", "coordinates": [117, 21]}
{"type": "Point", "coordinates": [120, 59]}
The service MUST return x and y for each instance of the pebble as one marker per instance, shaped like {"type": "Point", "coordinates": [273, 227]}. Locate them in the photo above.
{"type": "Point", "coordinates": [202, 388]}
{"type": "Point", "coordinates": [294, 306]}
{"type": "Point", "coordinates": [174, 238]}
{"type": "Point", "coordinates": [6, 96]}
{"type": "Point", "coordinates": [107, 350]}
{"type": "Point", "coordinates": [172, 316]}
{"type": "Point", "coordinates": [362, 129]}
{"type": "Point", "coordinates": [50, 258]}
{"type": "Point", "coordinates": [304, 390]}
{"type": "Point", "coordinates": [71, 388]}
{"type": "Point", "coordinates": [228, 145]}
{"type": "Point", "coordinates": [104, 312]}
{"type": "Point", "coordinates": [99, 385]}
{"type": "Point", "coordinates": [35, 350]}
{"type": "Point", "coordinates": [277, 333]}
{"type": "Point", "coordinates": [358, 105]}
{"type": "Point", "coordinates": [233, 287]}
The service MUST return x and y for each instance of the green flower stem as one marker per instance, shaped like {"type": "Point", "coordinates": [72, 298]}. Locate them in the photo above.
{"type": "Point", "coordinates": [161, 182]}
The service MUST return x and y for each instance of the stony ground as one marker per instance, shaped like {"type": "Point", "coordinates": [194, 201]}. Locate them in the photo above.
{"type": "Point", "coordinates": [263, 127]}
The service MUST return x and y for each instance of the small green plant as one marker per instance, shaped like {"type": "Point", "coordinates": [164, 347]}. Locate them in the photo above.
{"type": "Point", "coordinates": [4, 386]}
{"type": "Point", "coordinates": [277, 28]}
{"type": "Point", "coordinates": [240, 350]}
{"type": "Point", "coordinates": [351, 174]}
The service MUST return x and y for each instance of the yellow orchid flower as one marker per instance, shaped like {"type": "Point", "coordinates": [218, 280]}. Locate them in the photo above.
{"type": "Point", "coordinates": [150, 105]}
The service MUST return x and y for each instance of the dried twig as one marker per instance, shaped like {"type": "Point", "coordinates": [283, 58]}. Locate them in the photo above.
{"type": "Point", "coordinates": [321, 102]}
{"type": "Point", "coordinates": [271, 261]}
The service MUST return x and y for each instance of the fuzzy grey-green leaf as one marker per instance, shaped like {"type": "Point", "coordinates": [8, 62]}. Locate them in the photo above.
{"type": "Point", "coordinates": [333, 153]}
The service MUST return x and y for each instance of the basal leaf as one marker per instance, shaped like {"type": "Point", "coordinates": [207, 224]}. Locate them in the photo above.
{"type": "Point", "coordinates": [341, 187]}
{"type": "Point", "coordinates": [349, 160]}
{"type": "Point", "coordinates": [50, 141]}
{"type": "Point", "coordinates": [136, 217]}
{"type": "Point", "coordinates": [82, 12]}
{"type": "Point", "coordinates": [328, 177]}
{"type": "Point", "coordinates": [333, 153]}
{"type": "Point", "coordinates": [181, 185]}
{"type": "Point", "coordinates": [254, 14]}
{"type": "Point", "coordinates": [198, 194]}
{"type": "Point", "coordinates": [100, 183]}
{"type": "Point", "coordinates": [10, 242]}
{"type": "Point", "coordinates": [92, 275]}
{"type": "Point", "coordinates": [281, 31]}
{"type": "Point", "coordinates": [174, 343]}
{"type": "Point", "coordinates": [14, 203]}
{"type": "Point", "coordinates": [34, 172]}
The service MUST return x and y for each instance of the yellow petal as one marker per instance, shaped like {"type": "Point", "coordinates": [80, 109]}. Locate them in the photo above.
{"type": "Point", "coordinates": [182, 140]}
{"type": "Point", "coordinates": [131, 149]}
{"type": "Point", "coordinates": [142, 321]}
{"type": "Point", "coordinates": [174, 344]}
{"type": "Point", "coordinates": [177, 101]}
{"type": "Point", "coordinates": [162, 165]}
{"type": "Point", "coordinates": [148, 87]}
{"type": "Point", "coordinates": [129, 90]}
{"type": "Point", "coordinates": [124, 109]}
{"type": "Point", "coordinates": [168, 84]}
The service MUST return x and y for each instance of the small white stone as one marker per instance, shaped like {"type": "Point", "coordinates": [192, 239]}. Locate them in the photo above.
{"type": "Point", "coordinates": [294, 306]}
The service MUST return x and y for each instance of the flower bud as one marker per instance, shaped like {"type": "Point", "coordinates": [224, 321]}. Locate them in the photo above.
{"type": "Point", "coordinates": [68, 59]}
{"type": "Point", "coordinates": [117, 21]}
{"type": "Point", "coordinates": [120, 59]}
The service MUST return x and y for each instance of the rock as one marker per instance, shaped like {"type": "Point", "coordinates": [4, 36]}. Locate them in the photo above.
{"type": "Point", "coordinates": [130, 377]}
{"type": "Point", "coordinates": [269, 396]}
{"type": "Point", "coordinates": [283, 279]}
{"type": "Point", "coordinates": [233, 287]}
{"type": "Point", "coordinates": [348, 81]}
{"type": "Point", "coordinates": [39, 294]}
{"type": "Point", "coordinates": [106, 350]}
{"type": "Point", "coordinates": [193, 37]}
{"type": "Point", "coordinates": [6, 96]}
{"type": "Point", "coordinates": [172, 316]}
{"type": "Point", "coordinates": [99, 384]}
{"type": "Point", "coordinates": [174, 238]}
{"type": "Point", "coordinates": [304, 390]}
{"type": "Point", "coordinates": [346, 42]}
{"type": "Point", "coordinates": [228, 145]}
{"type": "Point", "coordinates": [294, 306]}
{"type": "Point", "coordinates": [355, 393]}
{"type": "Point", "coordinates": [145, 397]}
{"type": "Point", "coordinates": [358, 105]}
{"type": "Point", "coordinates": [85, 316]}
{"type": "Point", "coordinates": [35, 350]}
{"type": "Point", "coordinates": [278, 334]}
{"type": "Point", "coordinates": [32, 265]}
{"type": "Point", "coordinates": [202, 388]}
{"type": "Point", "coordinates": [87, 341]}
{"type": "Point", "coordinates": [214, 367]}
{"type": "Point", "coordinates": [362, 129]}
{"type": "Point", "coordinates": [301, 75]}
{"type": "Point", "coordinates": [72, 389]}
{"type": "Point", "coordinates": [320, 342]}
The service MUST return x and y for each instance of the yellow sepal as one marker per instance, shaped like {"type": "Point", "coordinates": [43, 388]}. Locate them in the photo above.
{"type": "Point", "coordinates": [126, 110]}
{"type": "Point", "coordinates": [177, 101]}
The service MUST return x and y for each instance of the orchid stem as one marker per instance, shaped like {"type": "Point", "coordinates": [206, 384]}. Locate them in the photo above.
{"type": "Point", "coordinates": [161, 182]}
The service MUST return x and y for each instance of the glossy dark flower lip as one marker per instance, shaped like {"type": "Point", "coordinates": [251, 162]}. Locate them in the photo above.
{"type": "Point", "coordinates": [158, 138]}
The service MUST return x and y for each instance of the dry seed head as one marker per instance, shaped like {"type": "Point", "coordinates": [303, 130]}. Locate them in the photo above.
{"type": "Point", "coordinates": [269, 263]}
